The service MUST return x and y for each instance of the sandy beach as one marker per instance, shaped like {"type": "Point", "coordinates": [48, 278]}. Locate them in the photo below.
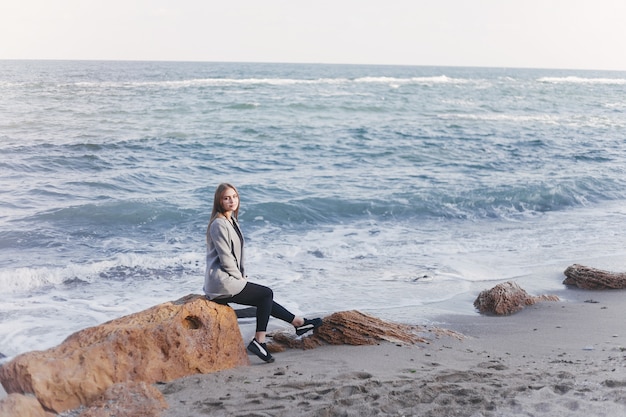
{"type": "Point", "coordinates": [564, 358]}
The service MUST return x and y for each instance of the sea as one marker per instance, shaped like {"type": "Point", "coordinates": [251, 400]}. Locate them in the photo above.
{"type": "Point", "coordinates": [398, 191]}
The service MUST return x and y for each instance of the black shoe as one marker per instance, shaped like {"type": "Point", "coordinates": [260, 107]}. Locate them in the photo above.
{"type": "Point", "coordinates": [308, 325]}
{"type": "Point", "coordinates": [260, 349]}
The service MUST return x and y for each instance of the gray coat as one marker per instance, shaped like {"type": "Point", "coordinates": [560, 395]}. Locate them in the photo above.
{"type": "Point", "coordinates": [224, 276]}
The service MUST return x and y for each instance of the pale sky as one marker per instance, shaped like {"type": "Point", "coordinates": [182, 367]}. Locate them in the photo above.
{"type": "Point", "coordinates": [573, 34]}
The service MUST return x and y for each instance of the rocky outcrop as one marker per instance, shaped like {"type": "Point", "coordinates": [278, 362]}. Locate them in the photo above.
{"type": "Point", "coordinates": [15, 405]}
{"type": "Point", "coordinates": [165, 342]}
{"type": "Point", "coordinates": [507, 298]}
{"type": "Point", "coordinates": [593, 279]}
{"type": "Point", "coordinates": [350, 328]}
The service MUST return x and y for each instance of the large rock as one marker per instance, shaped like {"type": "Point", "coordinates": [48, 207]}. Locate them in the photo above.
{"type": "Point", "coordinates": [130, 399]}
{"type": "Point", "coordinates": [593, 279]}
{"type": "Point", "coordinates": [507, 298]}
{"type": "Point", "coordinates": [165, 342]}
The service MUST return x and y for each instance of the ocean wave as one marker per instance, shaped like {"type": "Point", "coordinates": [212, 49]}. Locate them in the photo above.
{"type": "Point", "coordinates": [121, 267]}
{"type": "Point", "coordinates": [440, 79]}
{"type": "Point", "coordinates": [511, 202]}
{"type": "Point", "coordinates": [207, 82]}
{"type": "Point", "coordinates": [244, 106]}
{"type": "Point", "coordinates": [571, 120]}
{"type": "Point", "coordinates": [107, 218]}
{"type": "Point", "coordinates": [582, 80]}
{"type": "Point", "coordinates": [494, 202]}
{"type": "Point", "coordinates": [218, 82]}
{"type": "Point", "coordinates": [494, 117]}
{"type": "Point", "coordinates": [24, 279]}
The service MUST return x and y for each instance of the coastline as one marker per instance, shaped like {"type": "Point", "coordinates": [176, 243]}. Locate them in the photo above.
{"type": "Point", "coordinates": [564, 358]}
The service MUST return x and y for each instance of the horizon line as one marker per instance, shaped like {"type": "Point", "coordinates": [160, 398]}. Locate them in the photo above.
{"type": "Point", "coordinates": [308, 63]}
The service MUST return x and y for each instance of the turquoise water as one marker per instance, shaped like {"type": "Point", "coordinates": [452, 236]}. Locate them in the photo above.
{"type": "Point", "coordinates": [400, 191]}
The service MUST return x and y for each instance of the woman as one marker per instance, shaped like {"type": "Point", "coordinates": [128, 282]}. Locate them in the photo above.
{"type": "Point", "coordinates": [225, 280]}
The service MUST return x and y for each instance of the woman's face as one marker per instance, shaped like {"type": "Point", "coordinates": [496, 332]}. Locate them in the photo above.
{"type": "Point", "coordinates": [230, 200]}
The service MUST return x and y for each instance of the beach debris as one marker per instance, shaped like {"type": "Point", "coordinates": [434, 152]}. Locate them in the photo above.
{"type": "Point", "coordinates": [355, 328]}
{"type": "Point", "coordinates": [424, 277]}
{"type": "Point", "coordinates": [165, 342]}
{"type": "Point", "coordinates": [589, 278]}
{"type": "Point", "coordinates": [507, 298]}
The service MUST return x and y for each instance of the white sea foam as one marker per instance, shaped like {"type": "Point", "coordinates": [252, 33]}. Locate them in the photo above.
{"type": "Point", "coordinates": [526, 118]}
{"type": "Point", "coordinates": [574, 120]}
{"type": "Point", "coordinates": [582, 80]}
{"type": "Point", "coordinates": [24, 279]}
{"type": "Point", "coordinates": [441, 79]}
{"type": "Point", "coordinates": [118, 267]}
{"type": "Point", "coordinates": [210, 82]}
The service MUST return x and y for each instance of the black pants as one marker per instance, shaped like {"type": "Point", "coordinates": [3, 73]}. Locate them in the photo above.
{"type": "Point", "coordinates": [263, 299]}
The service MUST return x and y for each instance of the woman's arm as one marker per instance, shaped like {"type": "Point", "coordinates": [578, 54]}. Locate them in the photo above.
{"type": "Point", "coordinates": [220, 235]}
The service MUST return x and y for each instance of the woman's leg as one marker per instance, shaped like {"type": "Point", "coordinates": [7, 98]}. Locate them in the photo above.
{"type": "Point", "coordinates": [263, 299]}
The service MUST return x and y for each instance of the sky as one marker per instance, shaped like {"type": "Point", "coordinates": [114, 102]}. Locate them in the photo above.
{"type": "Point", "coordinates": [567, 34]}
